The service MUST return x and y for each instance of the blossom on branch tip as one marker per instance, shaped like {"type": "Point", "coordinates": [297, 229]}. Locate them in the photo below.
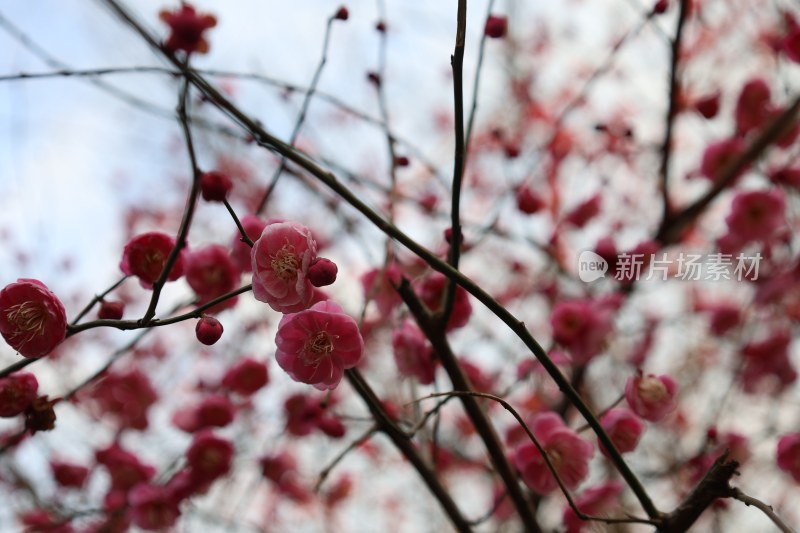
{"type": "Point", "coordinates": [215, 186]}
{"type": "Point", "coordinates": [208, 330]}
{"type": "Point", "coordinates": [316, 345]}
{"type": "Point", "coordinates": [281, 258]}
{"type": "Point", "coordinates": [32, 318]}
{"type": "Point", "coordinates": [145, 257]}
{"type": "Point", "coordinates": [187, 27]}
{"type": "Point", "coordinates": [496, 26]}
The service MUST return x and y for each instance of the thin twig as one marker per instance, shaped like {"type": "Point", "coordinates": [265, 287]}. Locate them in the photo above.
{"type": "Point", "coordinates": [737, 494]}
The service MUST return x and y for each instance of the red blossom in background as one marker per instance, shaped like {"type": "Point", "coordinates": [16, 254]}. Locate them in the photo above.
{"type": "Point", "coordinates": [209, 457]}
{"type": "Point", "coordinates": [315, 346]}
{"type": "Point", "coordinates": [69, 475]}
{"type": "Point", "coordinates": [719, 155]}
{"type": "Point", "coordinates": [33, 320]}
{"type": "Point", "coordinates": [624, 428]}
{"type": "Point", "coordinates": [379, 286]}
{"type": "Point", "coordinates": [145, 257]}
{"type": "Point", "coordinates": [152, 507]}
{"type": "Point", "coordinates": [126, 469]}
{"type": "Point", "coordinates": [246, 376]}
{"type": "Point", "coordinates": [568, 453]}
{"type": "Point", "coordinates": [413, 353]}
{"type": "Point", "coordinates": [125, 396]}
{"type": "Point", "coordinates": [187, 28]}
{"type": "Point", "coordinates": [431, 290]}
{"type": "Point", "coordinates": [594, 501]}
{"type": "Point", "coordinates": [756, 215]}
{"type": "Point", "coordinates": [651, 397]}
{"type": "Point", "coordinates": [581, 326]}
{"type": "Point", "coordinates": [210, 272]}
{"type": "Point", "coordinates": [788, 455]}
{"type": "Point", "coordinates": [17, 391]}
{"type": "Point", "coordinates": [281, 258]}
{"type": "Point", "coordinates": [496, 26]}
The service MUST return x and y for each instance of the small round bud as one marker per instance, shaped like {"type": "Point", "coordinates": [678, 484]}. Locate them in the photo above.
{"type": "Point", "coordinates": [208, 330]}
{"type": "Point", "coordinates": [342, 14]}
{"type": "Point", "coordinates": [322, 272]}
{"type": "Point", "coordinates": [111, 310]}
{"type": "Point", "coordinates": [215, 186]}
{"type": "Point", "coordinates": [496, 26]}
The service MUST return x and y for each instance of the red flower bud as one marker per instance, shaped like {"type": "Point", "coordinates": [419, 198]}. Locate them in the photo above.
{"type": "Point", "coordinates": [215, 186]}
{"type": "Point", "coordinates": [208, 330]}
{"type": "Point", "coordinates": [322, 272]}
{"type": "Point", "coordinates": [110, 310]}
{"type": "Point", "coordinates": [342, 14]}
{"type": "Point", "coordinates": [496, 26]}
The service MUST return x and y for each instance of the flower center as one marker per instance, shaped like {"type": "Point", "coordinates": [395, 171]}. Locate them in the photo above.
{"type": "Point", "coordinates": [652, 390]}
{"type": "Point", "coordinates": [29, 319]}
{"type": "Point", "coordinates": [285, 263]}
{"type": "Point", "coordinates": [316, 348]}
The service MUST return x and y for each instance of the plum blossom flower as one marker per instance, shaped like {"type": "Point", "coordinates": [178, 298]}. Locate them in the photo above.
{"type": "Point", "coordinates": [788, 457]}
{"type": "Point", "coordinates": [756, 215]}
{"type": "Point", "coordinates": [17, 391]}
{"type": "Point", "coordinates": [315, 346]}
{"type": "Point", "coordinates": [32, 319]}
{"type": "Point", "coordinates": [281, 258]}
{"type": "Point", "coordinates": [624, 428]}
{"type": "Point", "coordinates": [581, 326]}
{"type": "Point", "coordinates": [152, 507]}
{"type": "Point", "coordinates": [187, 27]}
{"type": "Point", "coordinates": [431, 290]}
{"type": "Point", "coordinates": [651, 397]}
{"type": "Point", "coordinates": [211, 272]}
{"type": "Point", "coordinates": [719, 155]}
{"type": "Point", "coordinates": [413, 354]}
{"type": "Point", "coordinates": [753, 106]}
{"type": "Point", "coordinates": [246, 377]}
{"type": "Point", "coordinates": [145, 257]}
{"type": "Point", "coordinates": [496, 26]}
{"type": "Point", "coordinates": [593, 501]}
{"type": "Point", "coordinates": [568, 453]}
{"type": "Point", "coordinates": [209, 457]}
{"type": "Point", "coordinates": [379, 286]}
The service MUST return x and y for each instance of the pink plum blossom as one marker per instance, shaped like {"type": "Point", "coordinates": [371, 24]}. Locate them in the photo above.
{"type": "Point", "coordinates": [412, 353]}
{"type": "Point", "coordinates": [789, 455]}
{"type": "Point", "coordinates": [281, 258]}
{"type": "Point", "coordinates": [651, 397]}
{"type": "Point", "coordinates": [624, 428]}
{"type": "Point", "coordinates": [315, 346]}
{"type": "Point", "coordinates": [568, 453]}
{"type": "Point", "coordinates": [593, 501]}
{"type": "Point", "coordinates": [756, 215]}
